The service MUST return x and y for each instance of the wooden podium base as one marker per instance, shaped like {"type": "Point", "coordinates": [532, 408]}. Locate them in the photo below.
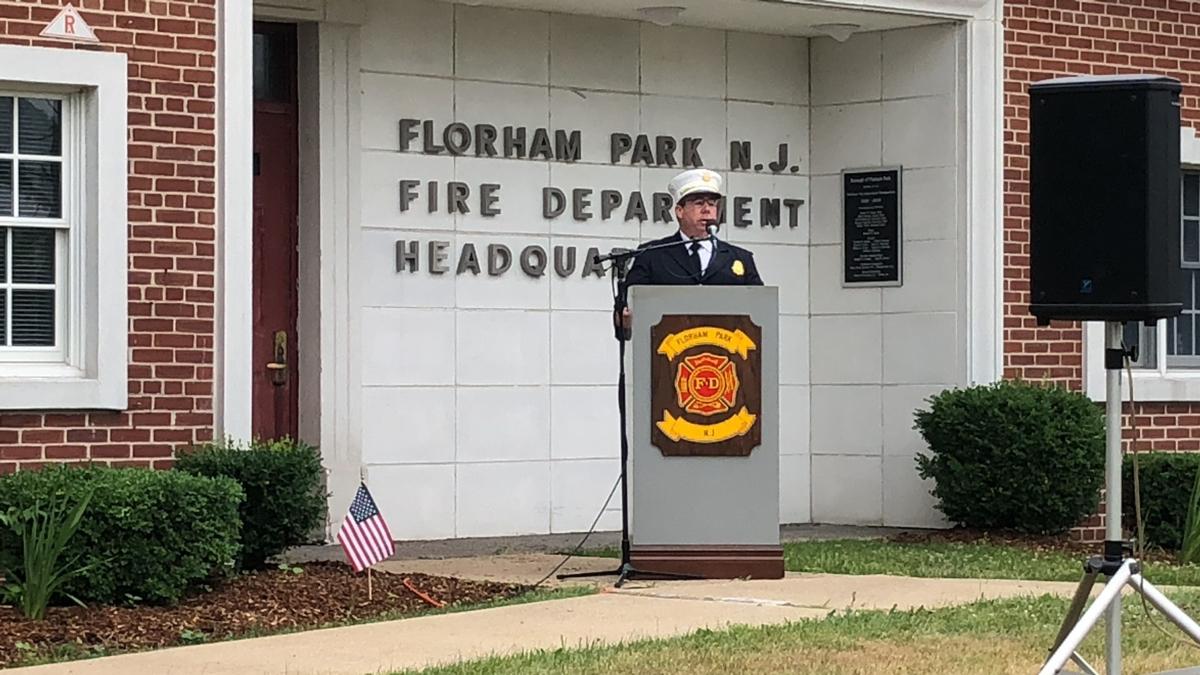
{"type": "Point", "coordinates": [711, 562]}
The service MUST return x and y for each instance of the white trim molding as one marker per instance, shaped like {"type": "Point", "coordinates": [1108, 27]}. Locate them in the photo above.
{"type": "Point", "coordinates": [950, 9]}
{"type": "Point", "coordinates": [1149, 384]}
{"type": "Point", "coordinates": [339, 133]}
{"type": "Point", "coordinates": [96, 370]}
{"type": "Point", "coordinates": [235, 221]}
{"type": "Point", "coordinates": [985, 194]}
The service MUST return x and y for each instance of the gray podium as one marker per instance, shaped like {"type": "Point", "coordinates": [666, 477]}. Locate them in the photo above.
{"type": "Point", "coordinates": [703, 419]}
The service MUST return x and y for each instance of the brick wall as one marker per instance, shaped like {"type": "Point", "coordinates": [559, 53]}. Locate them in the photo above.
{"type": "Point", "coordinates": [171, 46]}
{"type": "Point", "coordinates": [1053, 38]}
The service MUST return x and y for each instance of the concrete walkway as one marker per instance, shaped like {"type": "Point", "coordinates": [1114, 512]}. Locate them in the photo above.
{"type": "Point", "coordinates": [640, 609]}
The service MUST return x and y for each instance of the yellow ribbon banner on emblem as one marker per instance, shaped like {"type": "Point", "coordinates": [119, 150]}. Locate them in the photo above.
{"type": "Point", "coordinates": [677, 428]}
{"type": "Point", "coordinates": [735, 341]}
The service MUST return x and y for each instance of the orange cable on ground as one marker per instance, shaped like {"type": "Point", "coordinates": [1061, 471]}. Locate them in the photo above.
{"type": "Point", "coordinates": [421, 594]}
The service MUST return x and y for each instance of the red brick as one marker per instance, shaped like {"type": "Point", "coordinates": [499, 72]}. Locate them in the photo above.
{"type": "Point", "coordinates": [110, 451]}
{"type": "Point", "coordinates": [29, 436]}
{"type": "Point", "coordinates": [150, 450]}
{"type": "Point", "coordinates": [66, 451]}
{"type": "Point", "coordinates": [92, 435]}
{"type": "Point", "coordinates": [21, 452]}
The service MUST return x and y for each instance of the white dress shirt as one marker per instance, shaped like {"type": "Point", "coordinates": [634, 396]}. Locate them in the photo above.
{"type": "Point", "coordinates": [705, 251]}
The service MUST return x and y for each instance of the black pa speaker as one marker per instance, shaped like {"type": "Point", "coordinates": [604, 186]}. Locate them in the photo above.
{"type": "Point", "coordinates": [1104, 199]}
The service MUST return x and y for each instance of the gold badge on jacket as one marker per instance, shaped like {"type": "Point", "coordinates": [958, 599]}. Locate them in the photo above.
{"type": "Point", "coordinates": [738, 269]}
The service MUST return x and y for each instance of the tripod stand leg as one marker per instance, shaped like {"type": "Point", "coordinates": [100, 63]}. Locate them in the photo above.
{"type": "Point", "coordinates": [1082, 592]}
{"type": "Point", "coordinates": [581, 575]}
{"type": "Point", "coordinates": [1164, 605]}
{"type": "Point", "coordinates": [1082, 663]}
{"type": "Point", "coordinates": [631, 572]}
{"type": "Point", "coordinates": [1112, 590]}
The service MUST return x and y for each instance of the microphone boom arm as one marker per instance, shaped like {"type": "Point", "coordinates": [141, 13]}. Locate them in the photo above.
{"type": "Point", "coordinates": [622, 254]}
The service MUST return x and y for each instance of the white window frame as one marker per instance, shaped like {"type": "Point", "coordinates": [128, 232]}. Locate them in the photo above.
{"type": "Point", "coordinates": [91, 367]}
{"type": "Point", "coordinates": [1159, 383]}
{"type": "Point", "coordinates": [40, 359]}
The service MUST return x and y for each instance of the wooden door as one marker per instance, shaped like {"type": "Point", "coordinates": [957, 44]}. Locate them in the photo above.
{"type": "Point", "coordinates": [276, 157]}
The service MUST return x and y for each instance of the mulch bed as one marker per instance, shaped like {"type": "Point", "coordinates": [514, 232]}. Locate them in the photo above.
{"type": "Point", "coordinates": [255, 603]}
{"type": "Point", "coordinates": [1031, 542]}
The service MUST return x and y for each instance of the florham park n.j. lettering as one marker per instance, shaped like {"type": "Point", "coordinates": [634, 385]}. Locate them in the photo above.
{"type": "Point", "coordinates": [580, 204]}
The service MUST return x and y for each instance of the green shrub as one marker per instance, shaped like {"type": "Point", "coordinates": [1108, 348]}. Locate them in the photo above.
{"type": "Point", "coordinates": [1012, 455]}
{"type": "Point", "coordinates": [146, 535]}
{"type": "Point", "coordinates": [1167, 480]}
{"type": "Point", "coordinates": [285, 497]}
{"type": "Point", "coordinates": [44, 531]}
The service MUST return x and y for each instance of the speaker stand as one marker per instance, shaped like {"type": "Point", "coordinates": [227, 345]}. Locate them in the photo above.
{"type": "Point", "coordinates": [1119, 569]}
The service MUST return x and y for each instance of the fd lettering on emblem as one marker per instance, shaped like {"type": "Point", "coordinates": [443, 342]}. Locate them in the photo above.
{"type": "Point", "coordinates": [707, 385]}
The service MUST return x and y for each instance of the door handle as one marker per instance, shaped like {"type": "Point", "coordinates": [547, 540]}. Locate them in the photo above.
{"type": "Point", "coordinates": [279, 366]}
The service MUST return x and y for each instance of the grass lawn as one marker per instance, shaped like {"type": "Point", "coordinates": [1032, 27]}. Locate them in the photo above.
{"type": "Point", "coordinates": [997, 636]}
{"type": "Point", "coordinates": [973, 560]}
{"type": "Point", "coordinates": [952, 559]}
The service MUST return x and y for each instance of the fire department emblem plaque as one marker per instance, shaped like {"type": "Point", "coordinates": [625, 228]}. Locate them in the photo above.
{"type": "Point", "coordinates": [706, 385]}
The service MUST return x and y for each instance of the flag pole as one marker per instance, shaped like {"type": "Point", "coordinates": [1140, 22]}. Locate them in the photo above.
{"type": "Point", "coordinates": [369, 590]}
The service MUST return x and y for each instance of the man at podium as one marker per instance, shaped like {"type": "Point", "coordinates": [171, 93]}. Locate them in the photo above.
{"type": "Point", "coordinates": [699, 259]}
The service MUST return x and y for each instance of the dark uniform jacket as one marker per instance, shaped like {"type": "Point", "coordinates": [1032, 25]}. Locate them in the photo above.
{"type": "Point", "coordinates": [729, 266]}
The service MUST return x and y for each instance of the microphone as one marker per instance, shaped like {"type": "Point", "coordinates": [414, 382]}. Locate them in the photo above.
{"type": "Point", "coordinates": [712, 231]}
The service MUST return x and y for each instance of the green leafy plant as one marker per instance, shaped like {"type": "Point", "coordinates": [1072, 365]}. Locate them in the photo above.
{"type": "Point", "coordinates": [44, 534]}
{"type": "Point", "coordinates": [284, 484]}
{"type": "Point", "coordinates": [1168, 483]}
{"type": "Point", "coordinates": [189, 636]}
{"type": "Point", "coordinates": [1190, 552]}
{"type": "Point", "coordinates": [147, 535]}
{"type": "Point", "coordinates": [1012, 455]}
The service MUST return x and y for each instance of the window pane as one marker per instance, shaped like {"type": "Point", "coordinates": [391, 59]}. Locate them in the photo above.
{"type": "Point", "coordinates": [1144, 338]}
{"type": "Point", "coordinates": [33, 256]}
{"type": "Point", "coordinates": [39, 189]}
{"type": "Point", "coordinates": [271, 77]}
{"type": "Point", "coordinates": [32, 318]}
{"type": "Point", "coordinates": [1182, 348]}
{"type": "Point", "coordinates": [6, 186]}
{"type": "Point", "coordinates": [1131, 334]}
{"type": "Point", "coordinates": [1191, 194]}
{"type": "Point", "coordinates": [39, 126]}
{"type": "Point", "coordinates": [1183, 340]}
{"type": "Point", "coordinates": [6, 123]}
{"type": "Point", "coordinates": [1191, 240]}
{"type": "Point", "coordinates": [3, 318]}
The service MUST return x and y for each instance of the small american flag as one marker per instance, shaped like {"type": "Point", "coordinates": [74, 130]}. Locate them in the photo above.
{"type": "Point", "coordinates": [364, 535]}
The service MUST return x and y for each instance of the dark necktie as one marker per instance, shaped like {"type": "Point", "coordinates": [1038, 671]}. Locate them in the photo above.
{"type": "Point", "coordinates": [695, 248]}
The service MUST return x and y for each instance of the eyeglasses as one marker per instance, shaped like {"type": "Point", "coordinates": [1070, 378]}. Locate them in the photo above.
{"type": "Point", "coordinates": [703, 201]}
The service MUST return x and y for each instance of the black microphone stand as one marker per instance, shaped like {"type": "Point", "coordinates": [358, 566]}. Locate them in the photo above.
{"type": "Point", "coordinates": [626, 570]}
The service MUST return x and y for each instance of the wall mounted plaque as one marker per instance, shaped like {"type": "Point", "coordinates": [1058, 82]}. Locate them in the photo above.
{"type": "Point", "coordinates": [871, 228]}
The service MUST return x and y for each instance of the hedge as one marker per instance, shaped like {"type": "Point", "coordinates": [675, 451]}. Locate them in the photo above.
{"type": "Point", "coordinates": [151, 535]}
{"type": "Point", "coordinates": [1013, 455]}
{"type": "Point", "coordinates": [285, 497]}
{"type": "Point", "coordinates": [1166, 479]}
